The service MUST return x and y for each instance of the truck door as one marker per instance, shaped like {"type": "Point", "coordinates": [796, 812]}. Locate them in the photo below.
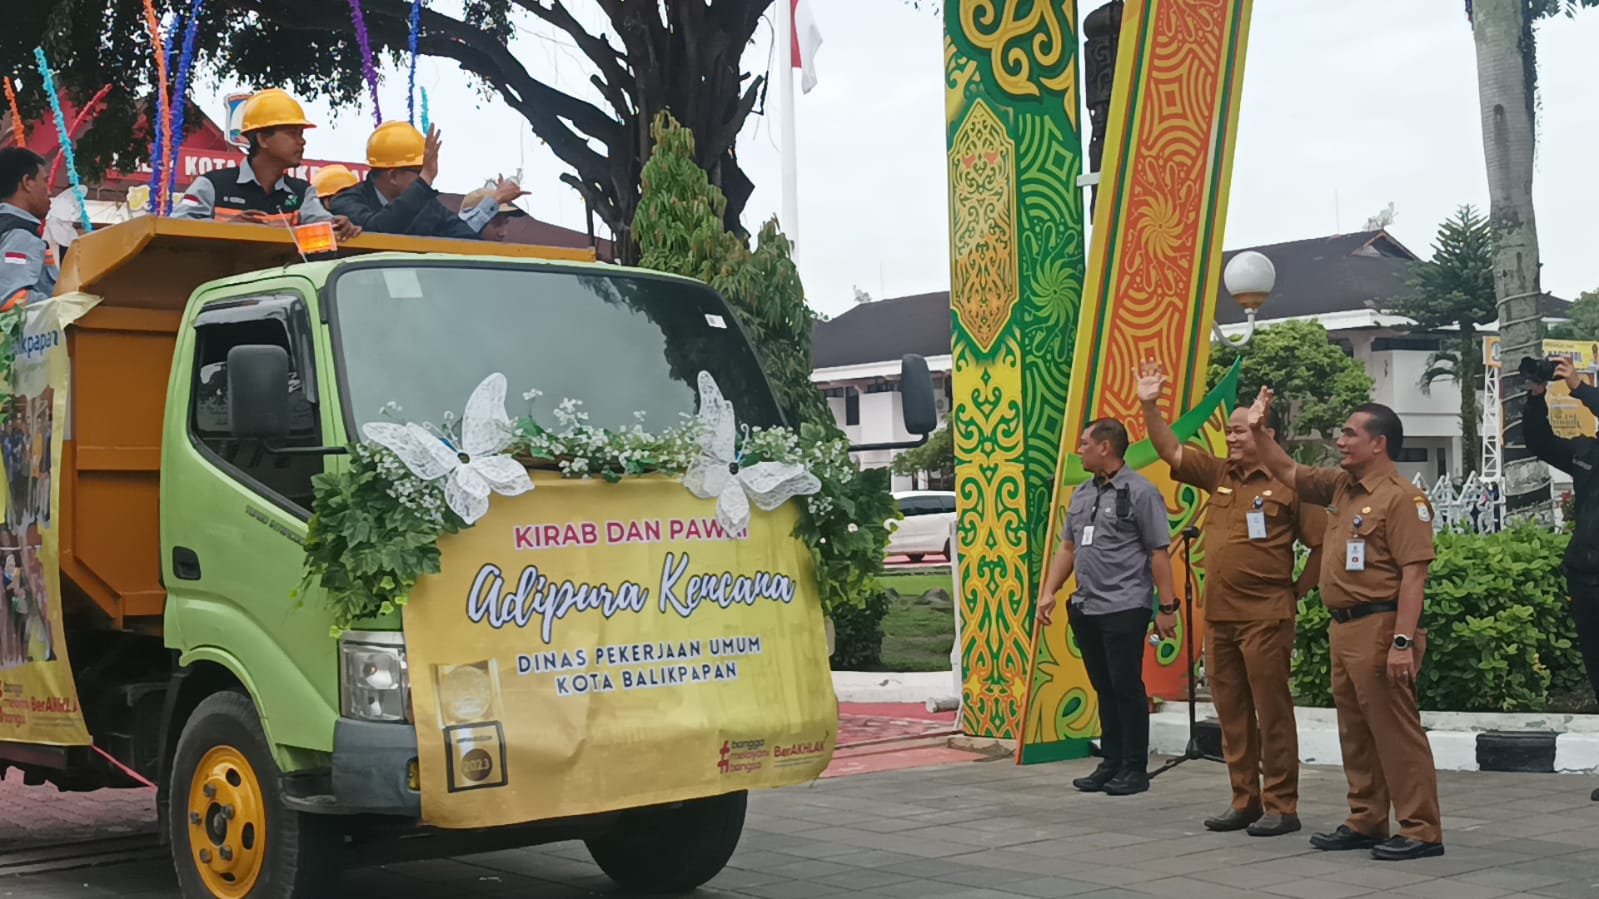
{"type": "Point", "coordinates": [234, 515]}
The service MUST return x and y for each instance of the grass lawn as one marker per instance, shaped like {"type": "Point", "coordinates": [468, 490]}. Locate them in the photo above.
{"type": "Point", "coordinates": [920, 626]}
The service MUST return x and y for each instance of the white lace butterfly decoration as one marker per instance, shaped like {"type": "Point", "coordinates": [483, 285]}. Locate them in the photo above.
{"type": "Point", "coordinates": [471, 469]}
{"type": "Point", "coordinates": [476, 466]}
{"type": "Point", "coordinates": [718, 472]}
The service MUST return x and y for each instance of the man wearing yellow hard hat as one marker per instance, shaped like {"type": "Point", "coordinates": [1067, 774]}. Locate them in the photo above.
{"type": "Point", "coordinates": [275, 126]}
{"type": "Point", "coordinates": [332, 180]}
{"type": "Point", "coordinates": [398, 196]}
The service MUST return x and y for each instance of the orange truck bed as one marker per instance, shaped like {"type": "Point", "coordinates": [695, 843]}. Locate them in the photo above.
{"type": "Point", "coordinates": [144, 271]}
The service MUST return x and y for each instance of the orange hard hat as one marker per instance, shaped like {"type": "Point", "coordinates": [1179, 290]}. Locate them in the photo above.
{"type": "Point", "coordinates": [273, 108]}
{"type": "Point", "coordinates": [331, 179]}
{"type": "Point", "coordinates": [395, 145]}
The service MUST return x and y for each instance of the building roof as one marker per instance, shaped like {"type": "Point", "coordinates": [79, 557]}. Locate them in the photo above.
{"type": "Point", "coordinates": [884, 329]}
{"type": "Point", "coordinates": [1368, 270]}
{"type": "Point", "coordinates": [1348, 273]}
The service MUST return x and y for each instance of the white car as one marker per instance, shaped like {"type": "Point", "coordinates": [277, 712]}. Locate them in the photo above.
{"type": "Point", "coordinates": [925, 528]}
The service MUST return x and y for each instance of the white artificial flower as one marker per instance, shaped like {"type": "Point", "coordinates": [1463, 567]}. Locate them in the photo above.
{"type": "Point", "coordinates": [716, 472]}
{"type": "Point", "coordinates": [472, 470]}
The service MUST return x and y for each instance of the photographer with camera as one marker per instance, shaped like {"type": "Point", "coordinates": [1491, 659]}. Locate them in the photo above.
{"type": "Point", "coordinates": [1577, 457]}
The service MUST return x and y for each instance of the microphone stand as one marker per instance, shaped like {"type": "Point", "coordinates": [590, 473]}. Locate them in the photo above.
{"type": "Point", "coordinates": [1192, 751]}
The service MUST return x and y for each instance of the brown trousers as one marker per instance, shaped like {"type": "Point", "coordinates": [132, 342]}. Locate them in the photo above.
{"type": "Point", "coordinates": [1387, 759]}
{"type": "Point", "coordinates": [1247, 667]}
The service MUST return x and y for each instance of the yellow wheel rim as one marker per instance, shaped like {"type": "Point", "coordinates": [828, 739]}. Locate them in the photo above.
{"type": "Point", "coordinates": [227, 823]}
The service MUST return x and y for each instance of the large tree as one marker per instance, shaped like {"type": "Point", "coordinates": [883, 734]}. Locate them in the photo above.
{"type": "Point", "coordinates": [685, 56]}
{"type": "Point", "coordinates": [1507, 73]}
{"type": "Point", "coordinates": [1455, 289]}
{"type": "Point", "coordinates": [1317, 383]}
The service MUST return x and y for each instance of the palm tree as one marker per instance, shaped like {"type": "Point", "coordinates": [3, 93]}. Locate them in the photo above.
{"type": "Point", "coordinates": [1507, 71]}
{"type": "Point", "coordinates": [1460, 361]}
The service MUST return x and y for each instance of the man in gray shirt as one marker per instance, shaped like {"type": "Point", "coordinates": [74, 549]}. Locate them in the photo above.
{"type": "Point", "coordinates": [1116, 538]}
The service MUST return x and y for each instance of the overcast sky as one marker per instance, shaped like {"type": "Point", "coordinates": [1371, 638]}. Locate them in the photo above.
{"type": "Point", "coordinates": [1347, 107]}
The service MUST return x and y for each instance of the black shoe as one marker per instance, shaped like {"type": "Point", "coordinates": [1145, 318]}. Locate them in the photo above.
{"type": "Point", "coordinates": [1343, 839]}
{"type": "Point", "coordinates": [1404, 849]}
{"type": "Point", "coordinates": [1232, 820]}
{"type": "Point", "coordinates": [1595, 796]}
{"type": "Point", "coordinates": [1095, 782]}
{"type": "Point", "coordinates": [1274, 826]}
{"type": "Point", "coordinates": [1128, 783]}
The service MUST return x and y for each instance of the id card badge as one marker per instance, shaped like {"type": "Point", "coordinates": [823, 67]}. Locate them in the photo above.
{"type": "Point", "coordinates": [1257, 525]}
{"type": "Point", "coordinates": [1088, 536]}
{"type": "Point", "coordinates": [1355, 556]}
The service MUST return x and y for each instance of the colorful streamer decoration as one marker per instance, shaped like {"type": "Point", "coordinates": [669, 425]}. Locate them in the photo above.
{"type": "Point", "coordinates": [18, 129]}
{"type": "Point", "coordinates": [371, 72]}
{"type": "Point", "coordinates": [87, 113]}
{"type": "Point", "coordinates": [180, 106]}
{"type": "Point", "coordinates": [49, 82]}
{"type": "Point", "coordinates": [410, 87]}
{"type": "Point", "coordinates": [427, 127]}
{"type": "Point", "coordinates": [163, 136]}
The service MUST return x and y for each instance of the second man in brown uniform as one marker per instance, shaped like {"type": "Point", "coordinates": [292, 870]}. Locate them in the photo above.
{"type": "Point", "coordinates": [1250, 527]}
{"type": "Point", "coordinates": [1374, 582]}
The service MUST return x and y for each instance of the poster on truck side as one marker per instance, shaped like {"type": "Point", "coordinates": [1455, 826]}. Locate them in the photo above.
{"type": "Point", "coordinates": [589, 647]}
{"type": "Point", "coordinates": [38, 700]}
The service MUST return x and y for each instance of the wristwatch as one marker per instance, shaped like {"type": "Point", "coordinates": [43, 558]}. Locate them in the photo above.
{"type": "Point", "coordinates": [1401, 641]}
{"type": "Point", "coordinates": [1168, 610]}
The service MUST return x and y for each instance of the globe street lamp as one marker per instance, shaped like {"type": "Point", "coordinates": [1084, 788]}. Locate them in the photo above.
{"type": "Point", "coordinates": [1249, 277]}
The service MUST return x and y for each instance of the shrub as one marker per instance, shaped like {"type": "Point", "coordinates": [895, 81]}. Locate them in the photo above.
{"type": "Point", "coordinates": [1499, 637]}
{"type": "Point", "coordinates": [858, 633]}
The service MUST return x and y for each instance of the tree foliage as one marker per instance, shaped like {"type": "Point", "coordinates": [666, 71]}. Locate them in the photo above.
{"type": "Point", "coordinates": [936, 458]}
{"type": "Point", "coordinates": [1584, 319]}
{"type": "Point", "coordinates": [679, 55]}
{"type": "Point", "coordinates": [1456, 289]}
{"type": "Point", "coordinates": [679, 230]}
{"type": "Point", "coordinates": [1316, 382]}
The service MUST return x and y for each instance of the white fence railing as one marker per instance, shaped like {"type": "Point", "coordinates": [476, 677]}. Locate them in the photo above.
{"type": "Point", "coordinates": [1474, 505]}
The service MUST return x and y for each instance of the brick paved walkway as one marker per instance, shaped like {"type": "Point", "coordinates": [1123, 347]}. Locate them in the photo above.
{"type": "Point", "coordinates": [994, 831]}
{"type": "Point", "coordinates": [44, 816]}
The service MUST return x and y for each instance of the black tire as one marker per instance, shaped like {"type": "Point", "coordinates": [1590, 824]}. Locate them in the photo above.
{"type": "Point", "coordinates": [914, 557]}
{"type": "Point", "coordinates": [672, 849]}
{"type": "Point", "coordinates": [299, 854]}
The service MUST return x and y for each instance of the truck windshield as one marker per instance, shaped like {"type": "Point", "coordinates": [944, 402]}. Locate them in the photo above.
{"type": "Point", "coordinates": [423, 336]}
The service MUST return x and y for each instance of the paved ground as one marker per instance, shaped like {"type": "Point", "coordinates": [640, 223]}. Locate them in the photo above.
{"type": "Point", "coordinates": [994, 830]}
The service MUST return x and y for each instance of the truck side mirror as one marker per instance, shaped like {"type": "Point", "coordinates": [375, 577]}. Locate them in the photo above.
{"type": "Point", "coordinates": [258, 391]}
{"type": "Point", "coordinates": [916, 395]}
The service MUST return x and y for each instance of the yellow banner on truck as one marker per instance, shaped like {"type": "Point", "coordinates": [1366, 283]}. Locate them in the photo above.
{"type": "Point", "coordinates": [589, 647]}
{"type": "Point", "coordinates": [38, 699]}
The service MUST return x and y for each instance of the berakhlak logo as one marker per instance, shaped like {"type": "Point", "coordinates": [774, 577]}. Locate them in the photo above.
{"type": "Point", "coordinates": [726, 749]}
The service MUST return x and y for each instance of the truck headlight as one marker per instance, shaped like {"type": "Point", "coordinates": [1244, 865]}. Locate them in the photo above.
{"type": "Point", "coordinates": [374, 680]}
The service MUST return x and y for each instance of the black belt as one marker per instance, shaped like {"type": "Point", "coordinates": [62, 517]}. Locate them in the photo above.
{"type": "Point", "coordinates": [1344, 616]}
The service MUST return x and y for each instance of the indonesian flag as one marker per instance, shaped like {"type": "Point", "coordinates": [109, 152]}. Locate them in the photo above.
{"type": "Point", "coordinates": [807, 40]}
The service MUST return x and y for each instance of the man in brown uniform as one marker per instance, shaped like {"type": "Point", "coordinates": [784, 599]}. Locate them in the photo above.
{"type": "Point", "coordinates": [1250, 527]}
{"type": "Point", "coordinates": [1374, 581]}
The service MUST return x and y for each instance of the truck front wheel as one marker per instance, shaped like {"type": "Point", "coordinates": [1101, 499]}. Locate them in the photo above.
{"type": "Point", "coordinates": [231, 835]}
{"type": "Point", "coordinates": [672, 849]}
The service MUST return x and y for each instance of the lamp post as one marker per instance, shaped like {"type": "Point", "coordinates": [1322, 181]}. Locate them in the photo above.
{"type": "Point", "coordinates": [1249, 277]}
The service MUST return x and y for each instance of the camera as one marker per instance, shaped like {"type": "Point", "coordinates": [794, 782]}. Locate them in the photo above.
{"type": "Point", "coordinates": [1540, 370]}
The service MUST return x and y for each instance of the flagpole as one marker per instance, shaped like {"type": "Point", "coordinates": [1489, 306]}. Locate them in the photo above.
{"type": "Point", "coordinates": [789, 215]}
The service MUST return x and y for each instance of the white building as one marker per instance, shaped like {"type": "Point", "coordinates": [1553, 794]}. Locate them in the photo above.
{"type": "Point", "coordinates": [1345, 282]}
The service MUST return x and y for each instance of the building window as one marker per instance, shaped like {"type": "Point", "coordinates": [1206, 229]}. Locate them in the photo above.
{"type": "Point", "coordinates": [1412, 454]}
{"type": "Point", "coordinates": [280, 321]}
{"type": "Point", "coordinates": [852, 408]}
